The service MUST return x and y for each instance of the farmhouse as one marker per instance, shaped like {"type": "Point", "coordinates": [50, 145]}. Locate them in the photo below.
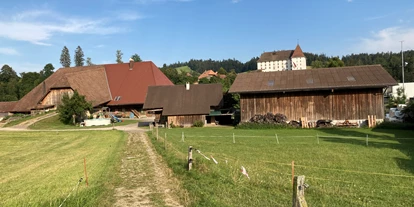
{"type": "Point", "coordinates": [346, 93]}
{"type": "Point", "coordinates": [282, 60]}
{"type": "Point", "coordinates": [120, 87]}
{"type": "Point", "coordinates": [183, 105]}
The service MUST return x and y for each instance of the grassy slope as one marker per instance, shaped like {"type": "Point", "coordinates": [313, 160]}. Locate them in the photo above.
{"type": "Point", "coordinates": [340, 171]}
{"type": "Point", "coordinates": [54, 123]}
{"type": "Point", "coordinates": [42, 168]}
{"type": "Point", "coordinates": [28, 117]}
{"type": "Point", "coordinates": [183, 69]}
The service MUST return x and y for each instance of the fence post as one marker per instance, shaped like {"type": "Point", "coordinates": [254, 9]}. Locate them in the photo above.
{"type": "Point", "coordinates": [317, 137]}
{"type": "Point", "coordinates": [298, 199]}
{"type": "Point", "coordinates": [190, 157]}
{"type": "Point", "coordinates": [277, 139]}
{"type": "Point", "coordinates": [86, 174]}
{"type": "Point", "coordinates": [165, 139]}
{"type": "Point", "coordinates": [293, 172]}
{"type": "Point", "coordinates": [182, 136]}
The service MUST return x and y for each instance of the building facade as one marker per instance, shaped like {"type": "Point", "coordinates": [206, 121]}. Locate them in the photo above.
{"type": "Point", "coordinates": [282, 60]}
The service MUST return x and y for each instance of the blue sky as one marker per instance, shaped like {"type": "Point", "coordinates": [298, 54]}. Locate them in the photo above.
{"type": "Point", "coordinates": [33, 32]}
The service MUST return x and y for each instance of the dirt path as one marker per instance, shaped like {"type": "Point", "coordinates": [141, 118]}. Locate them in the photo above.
{"type": "Point", "coordinates": [25, 124]}
{"type": "Point", "coordinates": [147, 181]}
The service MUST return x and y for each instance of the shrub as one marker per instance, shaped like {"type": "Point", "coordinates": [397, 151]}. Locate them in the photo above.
{"type": "Point", "coordinates": [409, 113]}
{"type": "Point", "coordinates": [395, 125]}
{"type": "Point", "coordinates": [75, 105]}
{"type": "Point", "coordinates": [198, 124]}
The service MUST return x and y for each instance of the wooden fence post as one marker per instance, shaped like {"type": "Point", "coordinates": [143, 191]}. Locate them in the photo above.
{"type": "Point", "coordinates": [86, 174]}
{"type": "Point", "coordinates": [190, 157]}
{"type": "Point", "coordinates": [298, 199]}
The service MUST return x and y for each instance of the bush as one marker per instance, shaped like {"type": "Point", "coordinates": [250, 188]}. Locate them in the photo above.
{"type": "Point", "coordinates": [409, 113]}
{"type": "Point", "coordinates": [395, 125]}
{"type": "Point", "coordinates": [198, 124]}
{"type": "Point", "coordinates": [75, 105]}
{"type": "Point", "coordinates": [251, 125]}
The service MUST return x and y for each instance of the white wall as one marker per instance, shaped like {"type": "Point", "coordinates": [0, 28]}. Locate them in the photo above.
{"type": "Point", "coordinates": [300, 63]}
{"type": "Point", "coordinates": [282, 65]}
{"type": "Point", "coordinates": [409, 89]}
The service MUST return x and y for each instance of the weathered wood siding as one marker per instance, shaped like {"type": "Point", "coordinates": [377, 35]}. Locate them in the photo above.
{"type": "Point", "coordinates": [185, 120]}
{"type": "Point", "coordinates": [54, 97]}
{"type": "Point", "coordinates": [338, 105]}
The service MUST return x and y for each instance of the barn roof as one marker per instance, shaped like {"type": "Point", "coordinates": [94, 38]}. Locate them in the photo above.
{"type": "Point", "coordinates": [89, 81]}
{"type": "Point", "coordinates": [7, 106]}
{"type": "Point", "coordinates": [275, 56]}
{"type": "Point", "coordinates": [131, 85]}
{"type": "Point", "coordinates": [100, 84]}
{"type": "Point", "coordinates": [369, 76]}
{"type": "Point", "coordinates": [176, 100]}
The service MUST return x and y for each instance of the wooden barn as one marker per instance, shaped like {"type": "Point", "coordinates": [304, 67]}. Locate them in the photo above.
{"type": "Point", "coordinates": [339, 94]}
{"type": "Point", "coordinates": [117, 87]}
{"type": "Point", "coordinates": [182, 105]}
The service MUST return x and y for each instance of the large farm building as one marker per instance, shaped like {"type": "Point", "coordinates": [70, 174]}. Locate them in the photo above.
{"type": "Point", "coordinates": [346, 93]}
{"type": "Point", "coordinates": [119, 87]}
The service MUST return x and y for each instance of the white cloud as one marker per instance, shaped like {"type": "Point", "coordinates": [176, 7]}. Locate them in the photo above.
{"type": "Point", "coordinates": [29, 26]}
{"type": "Point", "coordinates": [386, 40]}
{"type": "Point", "coordinates": [8, 51]}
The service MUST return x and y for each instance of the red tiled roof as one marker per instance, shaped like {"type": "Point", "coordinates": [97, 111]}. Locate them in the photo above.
{"type": "Point", "coordinates": [298, 52]}
{"type": "Point", "coordinates": [207, 73]}
{"type": "Point", "coordinates": [132, 85]}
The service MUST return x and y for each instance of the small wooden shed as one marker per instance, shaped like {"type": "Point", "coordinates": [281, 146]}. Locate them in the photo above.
{"type": "Point", "coordinates": [346, 93]}
{"type": "Point", "coordinates": [182, 105]}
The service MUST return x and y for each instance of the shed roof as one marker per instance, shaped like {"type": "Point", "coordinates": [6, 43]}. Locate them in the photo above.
{"type": "Point", "coordinates": [369, 76]}
{"type": "Point", "coordinates": [176, 100]}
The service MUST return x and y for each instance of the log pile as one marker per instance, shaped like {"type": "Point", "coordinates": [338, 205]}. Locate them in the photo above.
{"type": "Point", "coordinates": [269, 118]}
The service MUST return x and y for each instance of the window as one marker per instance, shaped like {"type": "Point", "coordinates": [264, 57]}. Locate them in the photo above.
{"type": "Point", "coordinates": [117, 98]}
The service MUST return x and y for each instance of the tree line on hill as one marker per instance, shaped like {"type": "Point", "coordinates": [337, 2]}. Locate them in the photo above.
{"type": "Point", "coordinates": [13, 87]}
{"type": "Point", "coordinates": [79, 58]}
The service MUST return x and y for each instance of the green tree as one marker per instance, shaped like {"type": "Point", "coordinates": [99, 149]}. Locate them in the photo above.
{"type": "Point", "coordinates": [222, 71]}
{"type": "Point", "coordinates": [89, 61]}
{"type": "Point", "coordinates": [136, 58]}
{"type": "Point", "coordinates": [119, 56]}
{"type": "Point", "coordinates": [204, 81]}
{"type": "Point", "coordinates": [75, 106]}
{"type": "Point", "coordinates": [335, 62]}
{"type": "Point", "coordinates": [400, 98]}
{"type": "Point", "coordinates": [28, 81]}
{"type": "Point", "coordinates": [317, 64]}
{"type": "Point", "coordinates": [65, 57]}
{"type": "Point", "coordinates": [47, 71]}
{"type": "Point", "coordinates": [409, 112]}
{"type": "Point", "coordinates": [7, 73]}
{"type": "Point", "coordinates": [79, 57]}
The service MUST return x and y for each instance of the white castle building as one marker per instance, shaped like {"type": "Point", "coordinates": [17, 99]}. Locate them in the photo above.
{"type": "Point", "coordinates": [282, 60]}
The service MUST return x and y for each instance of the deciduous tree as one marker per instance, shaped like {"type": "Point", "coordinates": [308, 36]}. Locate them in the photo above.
{"type": "Point", "coordinates": [136, 58]}
{"type": "Point", "coordinates": [119, 56]}
{"type": "Point", "coordinates": [75, 105]}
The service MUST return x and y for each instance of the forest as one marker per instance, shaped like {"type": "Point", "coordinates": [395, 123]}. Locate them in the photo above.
{"type": "Point", "coordinates": [14, 86]}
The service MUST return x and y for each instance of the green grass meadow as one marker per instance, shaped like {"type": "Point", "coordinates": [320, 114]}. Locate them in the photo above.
{"type": "Point", "coordinates": [43, 168]}
{"type": "Point", "coordinates": [341, 170]}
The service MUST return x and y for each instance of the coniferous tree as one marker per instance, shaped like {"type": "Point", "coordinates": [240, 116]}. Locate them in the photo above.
{"type": "Point", "coordinates": [79, 57]}
{"type": "Point", "coordinates": [65, 57]}
{"type": "Point", "coordinates": [119, 56]}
